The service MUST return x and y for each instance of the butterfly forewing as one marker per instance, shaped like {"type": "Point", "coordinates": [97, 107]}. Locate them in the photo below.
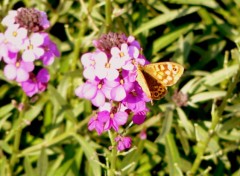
{"type": "Point", "coordinates": [142, 82]}
{"type": "Point", "coordinates": [168, 73]}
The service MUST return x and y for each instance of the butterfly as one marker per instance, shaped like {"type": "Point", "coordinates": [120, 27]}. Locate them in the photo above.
{"type": "Point", "coordinates": [155, 78]}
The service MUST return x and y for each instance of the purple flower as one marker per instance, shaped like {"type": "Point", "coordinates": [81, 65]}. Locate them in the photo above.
{"type": "Point", "coordinates": [136, 99]}
{"type": "Point", "coordinates": [139, 117]}
{"type": "Point", "coordinates": [115, 119]}
{"type": "Point", "coordinates": [36, 84]}
{"type": "Point", "coordinates": [18, 71]}
{"type": "Point", "coordinates": [32, 47]}
{"type": "Point", "coordinates": [131, 41]}
{"type": "Point", "coordinates": [97, 122]}
{"type": "Point", "coordinates": [29, 18]}
{"type": "Point", "coordinates": [123, 142]}
{"type": "Point", "coordinates": [50, 50]}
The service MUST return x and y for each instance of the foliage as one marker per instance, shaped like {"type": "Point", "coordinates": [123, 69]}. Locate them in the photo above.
{"type": "Point", "coordinates": [202, 138]}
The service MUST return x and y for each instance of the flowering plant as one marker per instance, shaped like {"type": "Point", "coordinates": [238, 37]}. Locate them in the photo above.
{"type": "Point", "coordinates": [111, 85]}
{"type": "Point", "coordinates": [23, 44]}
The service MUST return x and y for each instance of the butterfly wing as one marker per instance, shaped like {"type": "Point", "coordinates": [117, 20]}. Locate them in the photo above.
{"type": "Point", "coordinates": [154, 89]}
{"type": "Point", "coordinates": [168, 73]}
{"type": "Point", "coordinates": [142, 82]}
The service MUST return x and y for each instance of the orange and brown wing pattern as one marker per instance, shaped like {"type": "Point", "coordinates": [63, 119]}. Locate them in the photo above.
{"type": "Point", "coordinates": [168, 73]}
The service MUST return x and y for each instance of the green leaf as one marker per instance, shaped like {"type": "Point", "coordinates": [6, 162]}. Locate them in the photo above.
{"type": "Point", "coordinates": [64, 168]}
{"type": "Point", "coordinates": [56, 166]}
{"type": "Point", "coordinates": [90, 154]}
{"type": "Point", "coordinates": [209, 3]}
{"type": "Point", "coordinates": [28, 167]}
{"type": "Point", "coordinates": [183, 140]}
{"type": "Point", "coordinates": [220, 75]}
{"type": "Point", "coordinates": [164, 18]}
{"type": "Point", "coordinates": [5, 147]}
{"type": "Point", "coordinates": [128, 164]}
{"type": "Point", "coordinates": [205, 96]}
{"type": "Point", "coordinates": [201, 135]}
{"type": "Point", "coordinates": [63, 104]}
{"type": "Point", "coordinates": [42, 164]}
{"type": "Point", "coordinates": [167, 123]}
{"type": "Point", "coordinates": [6, 109]}
{"type": "Point", "coordinates": [3, 166]}
{"type": "Point", "coordinates": [172, 154]}
{"type": "Point", "coordinates": [185, 123]}
{"type": "Point", "coordinates": [168, 38]}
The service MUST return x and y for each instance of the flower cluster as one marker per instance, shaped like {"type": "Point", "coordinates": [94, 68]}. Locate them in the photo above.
{"type": "Point", "coordinates": [24, 43]}
{"type": "Point", "coordinates": [111, 85]}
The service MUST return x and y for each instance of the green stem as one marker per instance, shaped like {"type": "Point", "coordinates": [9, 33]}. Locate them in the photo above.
{"type": "Point", "coordinates": [216, 115]}
{"type": "Point", "coordinates": [54, 140]}
{"type": "Point", "coordinates": [77, 45]}
{"type": "Point", "coordinates": [17, 137]}
{"type": "Point", "coordinates": [108, 13]}
{"type": "Point", "coordinates": [113, 158]}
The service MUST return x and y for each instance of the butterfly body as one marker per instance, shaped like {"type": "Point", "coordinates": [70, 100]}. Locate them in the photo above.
{"type": "Point", "coordinates": [154, 78]}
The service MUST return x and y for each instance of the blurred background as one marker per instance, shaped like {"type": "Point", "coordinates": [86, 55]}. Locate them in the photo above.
{"type": "Point", "coordinates": [193, 130]}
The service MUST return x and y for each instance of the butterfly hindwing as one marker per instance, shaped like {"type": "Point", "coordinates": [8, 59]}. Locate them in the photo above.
{"type": "Point", "coordinates": [154, 89]}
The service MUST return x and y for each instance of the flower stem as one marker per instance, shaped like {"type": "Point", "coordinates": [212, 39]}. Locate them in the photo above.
{"type": "Point", "coordinates": [113, 158]}
{"type": "Point", "coordinates": [108, 13]}
{"type": "Point", "coordinates": [17, 137]}
{"type": "Point", "coordinates": [216, 115]}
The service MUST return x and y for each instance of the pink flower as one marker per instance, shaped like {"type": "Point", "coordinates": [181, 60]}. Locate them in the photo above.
{"type": "Point", "coordinates": [16, 35]}
{"type": "Point", "coordinates": [9, 20]}
{"type": "Point", "coordinates": [32, 47]}
{"type": "Point", "coordinates": [120, 56]}
{"type": "Point", "coordinates": [36, 84]}
{"type": "Point", "coordinates": [88, 61]}
{"type": "Point", "coordinates": [104, 68]}
{"type": "Point", "coordinates": [114, 120]}
{"type": "Point", "coordinates": [123, 142]}
{"type": "Point", "coordinates": [92, 90]}
{"type": "Point", "coordinates": [18, 71]}
{"type": "Point", "coordinates": [122, 86]}
{"type": "Point", "coordinates": [143, 134]}
{"type": "Point", "coordinates": [97, 122]}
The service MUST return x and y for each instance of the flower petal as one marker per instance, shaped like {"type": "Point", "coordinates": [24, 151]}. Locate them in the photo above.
{"type": "Point", "coordinates": [28, 56]}
{"type": "Point", "coordinates": [118, 93]}
{"type": "Point", "coordinates": [101, 72]}
{"type": "Point", "coordinates": [139, 118]}
{"type": "Point", "coordinates": [22, 75]}
{"type": "Point", "coordinates": [43, 76]}
{"type": "Point", "coordinates": [89, 91]}
{"type": "Point", "coordinates": [99, 99]}
{"type": "Point", "coordinates": [88, 73]}
{"type": "Point", "coordinates": [120, 118]}
{"type": "Point", "coordinates": [112, 74]}
{"type": "Point", "coordinates": [10, 71]}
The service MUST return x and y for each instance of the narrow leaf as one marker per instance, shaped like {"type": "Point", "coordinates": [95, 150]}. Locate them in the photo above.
{"type": "Point", "coordinates": [42, 164]}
